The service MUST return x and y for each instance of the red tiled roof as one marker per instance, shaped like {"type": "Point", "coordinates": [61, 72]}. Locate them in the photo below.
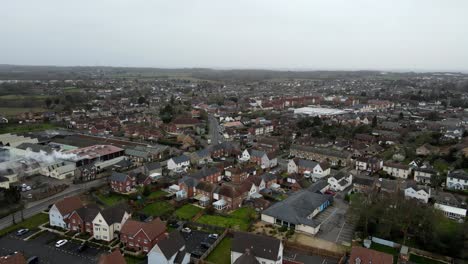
{"type": "Point", "coordinates": [152, 229]}
{"type": "Point", "coordinates": [369, 256]}
{"type": "Point", "coordinates": [17, 258]}
{"type": "Point", "coordinates": [113, 258]}
{"type": "Point", "coordinates": [69, 204]}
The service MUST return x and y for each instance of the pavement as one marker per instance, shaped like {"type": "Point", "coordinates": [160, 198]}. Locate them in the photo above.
{"type": "Point", "coordinates": [214, 131]}
{"type": "Point", "coordinates": [36, 207]}
{"type": "Point", "coordinates": [44, 248]}
{"type": "Point", "coordinates": [336, 224]}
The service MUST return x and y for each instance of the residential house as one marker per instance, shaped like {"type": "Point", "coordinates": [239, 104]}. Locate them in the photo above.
{"type": "Point", "coordinates": [297, 212]}
{"type": "Point", "coordinates": [61, 210]}
{"type": "Point", "coordinates": [122, 182]}
{"type": "Point", "coordinates": [308, 168]}
{"type": "Point", "coordinates": [201, 157]}
{"type": "Point", "coordinates": [228, 197]}
{"type": "Point", "coordinates": [247, 247]}
{"type": "Point", "coordinates": [369, 164]}
{"type": "Point", "coordinates": [239, 174]}
{"type": "Point", "coordinates": [457, 180]}
{"type": "Point", "coordinates": [331, 156]}
{"type": "Point", "coordinates": [178, 163]}
{"type": "Point", "coordinates": [224, 149]}
{"type": "Point", "coordinates": [170, 250]}
{"type": "Point", "coordinates": [81, 220]}
{"type": "Point", "coordinates": [361, 255]}
{"type": "Point", "coordinates": [424, 175]}
{"type": "Point", "coordinates": [340, 181]}
{"type": "Point", "coordinates": [208, 174]}
{"type": "Point", "coordinates": [261, 158]}
{"type": "Point", "coordinates": [421, 193]}
{"type": "Point", "coordinates": [397, 170]}
{"type": "Point", "coordinates": [142, 236]}
{"type": "Point", "coordinates": [363, 184]}
{"type": "Point", "coordinates": [204, 193]}
{"type": "Point", "coordinates": [108, 223]}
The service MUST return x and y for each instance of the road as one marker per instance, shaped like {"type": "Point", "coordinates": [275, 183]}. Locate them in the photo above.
{"type": "Point", "coordinates": [214, 131]}
{"type": "Point", "coordinates": [38, 206]}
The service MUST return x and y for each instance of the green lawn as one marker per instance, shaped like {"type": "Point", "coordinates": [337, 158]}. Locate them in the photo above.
{"type": "Point", "coordinates": [20, 128]}
{"type": "Point", "coordinates": [157, 194]}
{"type": "Point", "coordinates": [423, 260]}
{"type": "Point", "coordinates": [243, 213]}
{"type": "Point", "coordinates": [222, 221]}
{"type": "Point", "coordinates": [187, 211]}
{"type": "Point", "coordinates": [111, 199]}
{"type": "Point", "coordinates": [222, 253]}
{"type": "Point", "coordinates": [158, 208]}
{"type": "Point", "coordinates": [30, 223]}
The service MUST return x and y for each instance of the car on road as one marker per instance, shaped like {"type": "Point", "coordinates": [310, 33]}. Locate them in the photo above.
{"type": "Point", "coordinates": [213, 236]}
{"type": "Point", "coordinates": [186, 230]}
{"type": "Point", "coordinates": [22, 231]}
{"type": "Point", "coordinates": [61, 242]}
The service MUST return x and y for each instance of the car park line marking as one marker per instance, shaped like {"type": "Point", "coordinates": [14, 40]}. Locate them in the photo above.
{"type": "Point", "coordinates": [341, 229]}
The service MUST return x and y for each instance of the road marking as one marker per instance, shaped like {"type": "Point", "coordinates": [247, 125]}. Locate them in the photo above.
{"type": "Point", "coordinates": [336, 209]}
{"type": "Point", "coordinates": [341, 229]}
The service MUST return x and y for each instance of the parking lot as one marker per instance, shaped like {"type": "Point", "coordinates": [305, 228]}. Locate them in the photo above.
{"type": "Point", "coordinates": [44, 248]}
{"type": "Point", "coordinates": [336, 225]}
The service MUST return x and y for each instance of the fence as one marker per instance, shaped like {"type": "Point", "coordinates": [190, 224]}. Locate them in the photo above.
{"type": "Point", "coordinates": [311, 250]}
{"type": "Point", "coordinates": [214, 245]}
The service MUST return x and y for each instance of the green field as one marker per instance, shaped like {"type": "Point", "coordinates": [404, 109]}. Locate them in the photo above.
{"type": "Point", "coordinates": [157, 194]}
{"type": "Point", "coordinates": [30, 223]}
{"type": "Point", "coordinates": [222, 253]}
{"type": "Point", "coordinates": [423, 260]}
{"type": "Point", "coordinates": [158, 208]}
{"type": "Point", "coordinates": [23, 97]}
{"type": "Point", "coordinates": [222, 221]}
{"type": "Point", "coordinates": [111, 199]}
{"type": "Point", "coordinates": [187, 212]}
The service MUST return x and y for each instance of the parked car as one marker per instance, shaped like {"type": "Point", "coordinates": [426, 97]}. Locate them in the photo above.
{"type": "Point", "coordinates": [61, 242]}
{"type": "Point", "coordinates": [33, 260]}
{"type": "Point", "coordinates": [22, 231]}
{"type": "Point", "coordinates": [186, 230]}
{"type": "Point", "coordinates": [213, 236]}
{"type": "Point", "coordinates": [82, 248]}
{"type": "Point", "coordinates": [205, 244]}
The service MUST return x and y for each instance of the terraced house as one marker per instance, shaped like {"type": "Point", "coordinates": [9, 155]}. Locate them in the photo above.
{"type": "Point", "coordinates": [142, 236]}
{"type": "Point", "coordinates": [333, 157]}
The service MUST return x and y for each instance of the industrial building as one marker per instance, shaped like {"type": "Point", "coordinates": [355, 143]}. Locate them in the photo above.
{"type": "Point", "coordinates": [318, 111]}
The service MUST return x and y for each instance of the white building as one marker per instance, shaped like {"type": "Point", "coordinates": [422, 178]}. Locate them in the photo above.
{"type": "Point", "coordinates": [417, 192]}
{"type": "Point", "coordinates": [107, 223]}
{"type": "Point", "coordinates": [450, 205]}
{"type": "Point", "coordinates": [340, 181]}
{"type": "Point", "coordinates": [170, 250]}
{"type": "Point", "coordinates": [59, 170]}
{"type": "Point", "coordinates": [178, 163]}
{"type": "Point", "coordinates": [318, 111]}
{"type": "Point", "coordinates": [397, 170]}
{"type": "Point", "coordinates": [60, 211]}
{"type": "Point", "coordinates": [457, 180]}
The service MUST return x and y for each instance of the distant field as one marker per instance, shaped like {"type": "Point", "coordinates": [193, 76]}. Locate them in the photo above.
{"type": "Point", "coordinates": [13, 111]}
{"type": "Point", "coordinates": [23, 97]}
{"type": "Point", "coordinates": [21, 128]}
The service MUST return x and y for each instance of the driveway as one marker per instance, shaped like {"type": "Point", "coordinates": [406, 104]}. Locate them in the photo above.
{"type": "Point", "coordinates": [44, 248]}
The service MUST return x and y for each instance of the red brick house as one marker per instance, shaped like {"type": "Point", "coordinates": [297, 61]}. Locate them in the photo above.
{"type": "Point", "coordinates": [121, 182]}
{"type": "Point", "coordinates": [81, 220]}
{"type": "Point", "coordinates": [207, 174]}
{"type": "Point", "coordinates": [229, 197]}
{"type": "Point", "coordinates": [204, 193]}
{"type": "Point", "coordinates": [141, 236]}
{"type": "Point", "coordinates": [240, 174]}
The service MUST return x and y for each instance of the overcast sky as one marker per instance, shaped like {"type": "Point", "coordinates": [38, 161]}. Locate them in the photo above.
{"type": "Point", "coordinates": [271, 34]}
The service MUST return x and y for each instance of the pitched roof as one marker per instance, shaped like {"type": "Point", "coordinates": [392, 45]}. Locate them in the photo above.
{"type": "Point", "coordinates": [306, 163]}
{"type": "Point", "coordinates": [88, 213]}
{"type": "Point", "coordinates": [114, 214]}
{"type": "Point", "coordinates": [68, 205]}
{"type": "Point", "coordinates": [204, 172]}
{"type": "Point", "coordinates": [115, 257]}
{"type": "Point", "coordinates": [171, 244]}
{"type": "Point", "coordinates": [297, 207]}
{"type": "Point", "coordinates": [180, 159]}
{"type": "Point", "coordinates": [360, 255]}
{"type": "Point", "coordinates": [247, 258]}
{"type": "Point", "coordinates": [459, 174]}
{"type": "Point", "coordinates": [118, 177]}
{"type": "Point", "coordinates": [152, 166]}
{"type": "Point", "coordinates": [205, 186]}
{"type": "Point", "coordinates": [259, 245]}
{"type": "Point", "coordinates": [152, 229]}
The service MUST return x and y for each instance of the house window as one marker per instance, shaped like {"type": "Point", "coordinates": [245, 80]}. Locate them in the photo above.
{"type": "Point", "coordinates": [146, 241]}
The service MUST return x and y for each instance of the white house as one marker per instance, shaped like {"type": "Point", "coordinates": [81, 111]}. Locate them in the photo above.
{"type": "Point", "coordinates": [421, 193]}
{"type": "Point", "coordinates": [457, 180]}
{"type": "Point", "coordinates": [309, 168]}
{"type": "Point", "coordinates": [108, 222]}
{"type": "Point", "coordinates": [170, 250]}
{"type": "Point", "coordinates": [340, 181]}
{"type": "Point", "coordinates": [397, 170]}
{"type": "Point", "coordinates": [424, 175]}
{"type": "Point", "coordinates": [265, 160]}
{"type": "Point", "coordinates": [248, 247]}
{"type": "Point", "coordinates": [178, 163]}
{"type": "Point", "coordinates": [60, 211]}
